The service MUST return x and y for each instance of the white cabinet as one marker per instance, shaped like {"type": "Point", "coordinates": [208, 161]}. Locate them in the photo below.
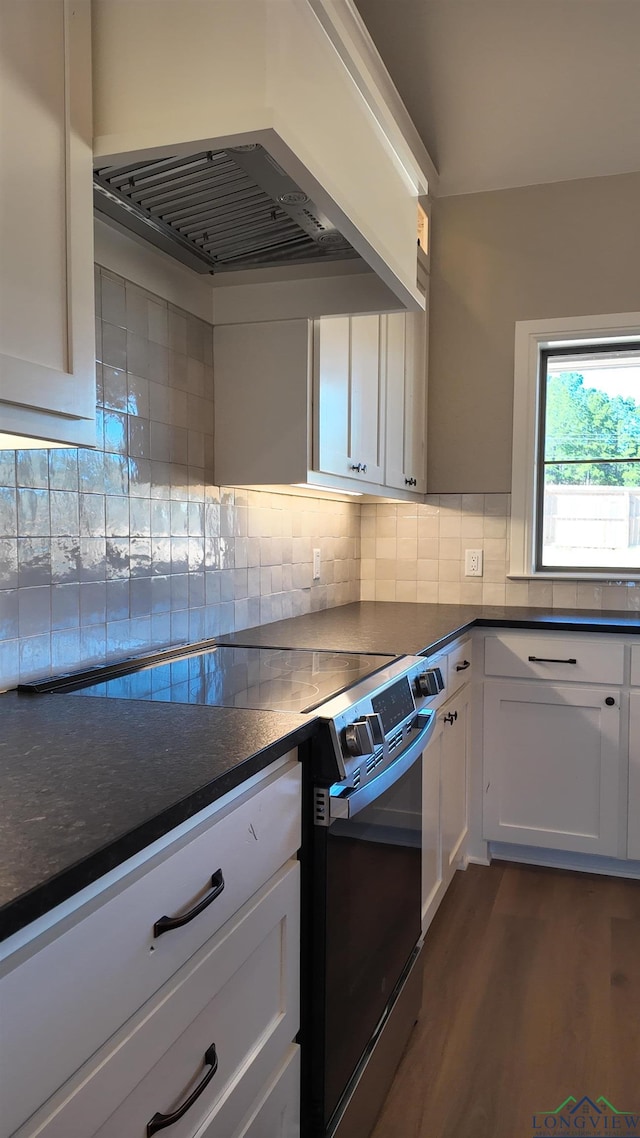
{"type": "Point", "coordinates": [304, 403]}
{"type": "Point", "coordinates": [554, 657]}
{"type": "Point", "coordinates": [236, 1006]}
{"type": "Point", "coordinates": [459, 663]}
{"type": "Point", "coordinates": [47, 322]}
{"type": "Point", "coordinates": [551, 765]}
{"type": "Point", "coordinates": [136, 1028]}
{"type": "Point", "coordinates": [455, 716]}
{"type": "Point", "coordinates": [349, 390]}
{"type": "Point", "coordinates": [406, 391]}
{"type": "Point", "coordinates": [432, 880]}
{"type": "Point", "coordinates": [277, 1112]}
{"type": "Point", "coordinates": [633, 847]}
{"type": "Point", "coordinates": [445, 785]}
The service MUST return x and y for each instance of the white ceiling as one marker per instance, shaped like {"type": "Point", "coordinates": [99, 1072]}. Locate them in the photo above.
{"type": "Point", "coordinates": [516, 92]}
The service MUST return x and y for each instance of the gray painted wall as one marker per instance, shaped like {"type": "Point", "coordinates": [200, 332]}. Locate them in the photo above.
{"type": "Point", "coordinates": [563, 249]}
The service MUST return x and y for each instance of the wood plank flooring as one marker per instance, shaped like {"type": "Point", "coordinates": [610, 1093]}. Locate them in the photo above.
{"type": "Point", "coordinates": [531, 994]}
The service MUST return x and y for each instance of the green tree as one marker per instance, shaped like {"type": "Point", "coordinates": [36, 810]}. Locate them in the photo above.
{"type": "Point", "coordinates": [585, 423]}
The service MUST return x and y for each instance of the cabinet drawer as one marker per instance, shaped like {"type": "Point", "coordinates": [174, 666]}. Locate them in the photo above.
{"type": "Point", "coordinates": [554, 657]}
{"type": "Point", "coordinates": [635, 665]}
{"type": "Point", "coordinates": [239, 993]}
{"type": "Point", "coordinates": [633, 834]}
{"type": "Point", "coordinates": [109, 963]}
{"type": "Point", "coordinates": [277, 1112]}
{"type": "Point", "coordinates": [459, 661]}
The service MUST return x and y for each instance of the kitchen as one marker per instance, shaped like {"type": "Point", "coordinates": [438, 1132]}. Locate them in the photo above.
{"type": "Point", "coordinates": [107, 559]}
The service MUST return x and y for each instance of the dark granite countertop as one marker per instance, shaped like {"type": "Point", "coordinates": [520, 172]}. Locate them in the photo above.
{"type": "Point", "coordinates": [399, 628]}
{"type": "Point", "coordinates": [85, 787]}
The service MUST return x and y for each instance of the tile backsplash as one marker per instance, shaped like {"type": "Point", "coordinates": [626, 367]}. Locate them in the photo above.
{"type": "Point", "coordinates": [109, 552]}
{"type": "Point", "coordinates": [416, 553]}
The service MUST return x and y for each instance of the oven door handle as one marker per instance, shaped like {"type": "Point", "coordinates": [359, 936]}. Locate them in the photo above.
{"type": "Point", "coordinates": [351, 804]}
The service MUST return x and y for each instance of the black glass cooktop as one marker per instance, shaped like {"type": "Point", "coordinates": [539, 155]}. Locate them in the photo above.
{"type": "Point", "coordinates": [264, 679]}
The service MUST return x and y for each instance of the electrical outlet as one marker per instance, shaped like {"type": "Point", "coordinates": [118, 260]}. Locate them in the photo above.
{"type": "Point", "coordinates": [473, 562]}
{"type": "Point", "coordinates": [316, 564]}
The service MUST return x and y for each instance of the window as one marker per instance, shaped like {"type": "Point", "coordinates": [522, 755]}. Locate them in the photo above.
{"type": "Point", "coordinates": [576, 452]}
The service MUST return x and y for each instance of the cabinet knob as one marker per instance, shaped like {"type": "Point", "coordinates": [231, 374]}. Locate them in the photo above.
{"type": "Point", "coordinates": [359, 467]}
{"type": "Point", "coordinates": [410, 482]}
{"type": "Point", "coordinates": [610, 701]}
{"type": "Point", "coordinates": [451, 717]}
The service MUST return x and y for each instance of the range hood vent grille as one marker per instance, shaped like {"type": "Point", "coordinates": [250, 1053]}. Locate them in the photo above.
{"type": "Point", "coordinates": [220, 210]}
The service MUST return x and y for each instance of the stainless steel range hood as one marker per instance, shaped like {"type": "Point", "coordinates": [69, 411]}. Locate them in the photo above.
{"type": "Point", "coordinates": [220, 210]}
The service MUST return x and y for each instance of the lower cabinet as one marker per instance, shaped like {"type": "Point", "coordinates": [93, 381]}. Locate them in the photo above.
{"type": "Point", "coordinates": [455, 779]}
{"type": "Point", "coordinates": [432, 879]}
{"type": "Point", "coordinates": [247, 985]}
{"type": "Point", "coordinates": [633, 847]}
{"type": "Point", "coordinates": [277, 1112]}
{"type": "Point", "coordinates": [551, 766]}
{"type": "Point", "coordinates": [445, 800]}
{"type": "Point", "coordinates": [211, 1051]}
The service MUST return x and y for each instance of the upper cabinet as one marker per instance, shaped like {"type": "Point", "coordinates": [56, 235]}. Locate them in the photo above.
{"type": "Point", "coordinates": [279, 111]}
{"type": "Point", "coordinates": [47, 328]}
{"type": "Point", "coordinates": [405, 445]}
{"type": "Point", "coordinates": [350, 389]}
{"type": "Point", "coordinates": [326, 403]}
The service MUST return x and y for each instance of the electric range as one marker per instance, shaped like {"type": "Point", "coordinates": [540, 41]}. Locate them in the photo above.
{"type": "Point", "coordinates": [361, 843]}
{"type": "Point", "coordinates": [263, 679]}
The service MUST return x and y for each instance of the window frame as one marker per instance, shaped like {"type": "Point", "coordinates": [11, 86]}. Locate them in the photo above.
{"type": "Point", "coordinates": [532, 338]}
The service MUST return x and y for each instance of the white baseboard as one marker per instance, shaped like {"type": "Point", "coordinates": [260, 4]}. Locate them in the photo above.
{"type": "Point", "coordinates": [561, 859]}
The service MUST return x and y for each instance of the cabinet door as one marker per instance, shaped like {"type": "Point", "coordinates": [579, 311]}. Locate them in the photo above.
{"type": "Point", "coordinates": [47, 337]}
{"type": "Point", "coordinates": [455, 794]}
{"type": "Point", "coordinates": [633, 849]}
{"type": "Point", "coordinates": [406, 380]}
{"type": "Point", "coordinates": [350, 397]}
{"type": "Point", "coordinates": [367, 397]}
{"type": "Point", "coordinates": [431, 827]}
{"type": "Point", "coordinates": [551, 766]}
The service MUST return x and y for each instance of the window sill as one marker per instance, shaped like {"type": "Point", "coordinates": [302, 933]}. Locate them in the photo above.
{"type": "Point", "coordinates": [603, 578]}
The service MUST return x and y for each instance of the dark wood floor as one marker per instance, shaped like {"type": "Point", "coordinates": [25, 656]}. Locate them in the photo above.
{"type": "Point", "coordinates": [531, 994]}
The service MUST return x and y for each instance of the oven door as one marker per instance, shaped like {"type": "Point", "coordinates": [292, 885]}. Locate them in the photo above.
{"type": "Point", "coordinates": [372, 858]}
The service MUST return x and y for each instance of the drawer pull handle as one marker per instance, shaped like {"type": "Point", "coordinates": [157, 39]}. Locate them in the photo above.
{"type": "Point", "coordinates": [551, 660]}
{"type": "Point", "coordinates": [165, 924]}
{"type": "Point", "coordinates": [161, 1121]}
{"type": "Point", "coordinates": [463, 666]}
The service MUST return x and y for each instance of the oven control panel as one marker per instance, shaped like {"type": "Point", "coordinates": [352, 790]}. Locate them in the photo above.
{"type": "Point", "coordinates": [377, 716]}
